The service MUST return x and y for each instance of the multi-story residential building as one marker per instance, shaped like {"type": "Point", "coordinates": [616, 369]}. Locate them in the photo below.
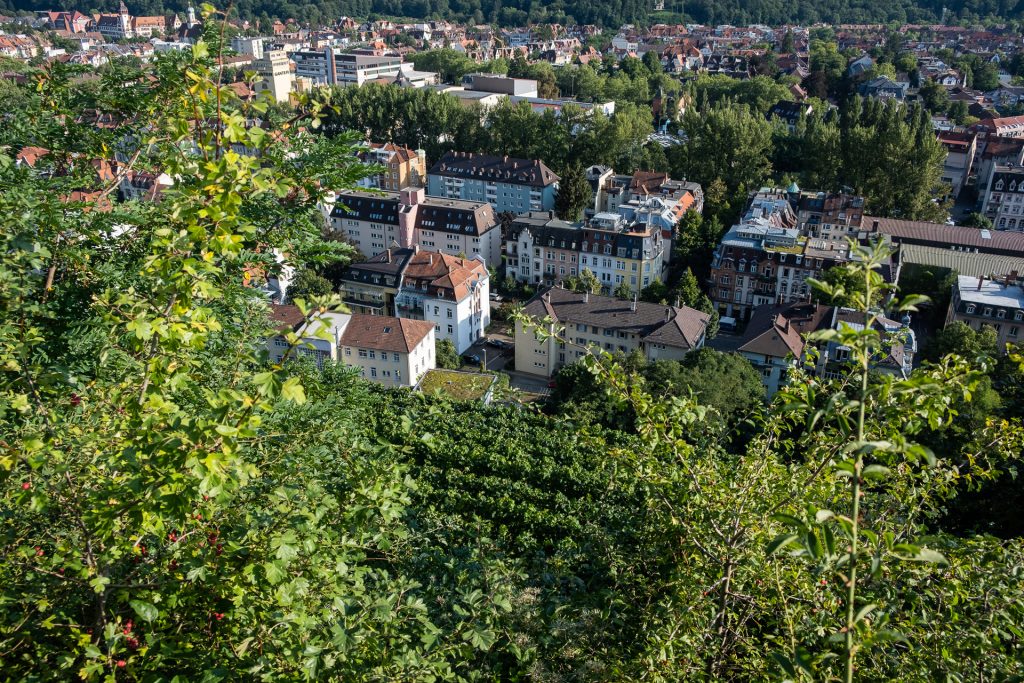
{"type": "Point", "coordinates": [789, 113]}
{"type": "Point", "coordinates": [403, 167]}
{"type": "Point", "coordinates": [328, 67]}
{"type": "Point", "coordinates": [592, 322]}
{"type": "Point", "coordinates": [123, 25]}
{"type": "Point", "coordinates": [287, 318]}
{"type": "Point", "coordinates": [1003, 201]}
{"type": "Point", "coordinates": [884, 88]}
{"type": "Point", "coordinates": [765, 259]}
{"type": "Point", "coordinates": [450, 292]}
{"type": "Point", "coordinates": [541, 249]}
{"type": "Point", "coordinates": [249, 46]}
{"type": "Point", "coordinates": [998, 303]}
{"type": "Point", "coordinates": [374, 222]}
{"type": "Point", "coordinates": [386, 350]}
{"type": "Point", "coordinates": [775, 342]}
{"type": "Point", "coordinates": [1004, 127]}
{"type": "Point", "coordinates": [630, 194]}
{"type": "Point", "coordinates": [276, 77]}
{"type": "Point", "coordinates": [390, 351]}
{"type": "Point", "coordinates": [507, 184]}
{"type": "Point", "coordinates": [960, 151]}
{"type": "Point", "coordinates": [828, 215]}
{"type": "Point", "coordinates": [991, 153]}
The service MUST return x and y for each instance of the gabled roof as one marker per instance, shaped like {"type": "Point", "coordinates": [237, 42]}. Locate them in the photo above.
{"type": "Point", "coordinates": [285, 317]}
{"type": "Point", "coordinates": [494, 168]}
{"type": "Point", "coordinates": [777, 330]}
{"type": "Point", "coordinates": [384, 333]}
{"type": "Point", "coordinates": [676, 326]}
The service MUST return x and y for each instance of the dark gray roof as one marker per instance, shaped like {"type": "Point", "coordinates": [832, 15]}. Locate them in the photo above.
{"type": "Point", "coordinates": [498, 169]}
{"type": "Point", "coordinates": [448, 215]}
{"type": "Point", "coordinates": [669, 325]}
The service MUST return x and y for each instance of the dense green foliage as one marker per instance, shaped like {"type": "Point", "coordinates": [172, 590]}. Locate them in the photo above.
{"type": "Point", "coordinates": [886, 153]}
{"type": "Point", "coordinates": [574, 194]}
{"type": "Point", "coordinates": [172, 504]}
{"type": "Point", "coordinates": [438, 123]}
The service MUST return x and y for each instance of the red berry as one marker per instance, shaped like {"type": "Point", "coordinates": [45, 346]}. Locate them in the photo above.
{"type": "Point", "coordinates": [121, 664]}
{"type": "Point", "coordinates": [173, 537]}
{"type": "Point", "coordinates": [39, 552]}
{"type": "Point", "coordinates": [25, 486]}
{"type": "Point", "coordinates": [218, 615]}
{"type": "Point", "coordinates": [824, 582]}
{"type": "Point", "coordinates": [76, 400]}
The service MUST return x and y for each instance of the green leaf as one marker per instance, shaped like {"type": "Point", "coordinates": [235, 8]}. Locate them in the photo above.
{"type": "Point", "coordinates": [779, 542]}
{"type": "Point", "coordinates": [292, 390]}
{"type": "Point", "coordinates": [875, 472]}
{"type": "Point", "coordinates": [146, 611]}
{"type": "Point", "coordinates": [863, 612]}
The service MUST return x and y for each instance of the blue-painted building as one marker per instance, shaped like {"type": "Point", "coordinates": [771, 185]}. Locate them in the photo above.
{"type": "Point", "coordinates": [507, 184]}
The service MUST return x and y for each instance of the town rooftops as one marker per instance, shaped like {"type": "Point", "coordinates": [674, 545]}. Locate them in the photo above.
{"type": "Point", "coordinates": [948, 236]}
{"type": "Point", "coordinates": [777, 330]}
{"type": "Point", "coordinates": [677, 326]}
{"type": "Point", "coordinates": [990, 292]}
{"type": "Point", "coordinates": [434, 213]}
{"type": "Point", "coordinates": [384, 333]}
{"type": "Point", "coordinates": [494, 168]}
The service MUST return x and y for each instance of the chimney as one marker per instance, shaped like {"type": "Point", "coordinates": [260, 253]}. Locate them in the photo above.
{"type": "Point", "coordinates": [632, 306]}
{"type": "Point", "coordinates": [668, 314]}
{"type": "Point", "coordinates": [874, 225]}
{"type": "Point", "coordinates": [586, 296]}
{"type": "Point", "coordinates": [1012, 277]}
{"type": "Point", "coordinates": [546, 297]}
{"type": "Point", "coordinates": [388, 257]}
{"type": "Point", "coordinates": [981, 281]}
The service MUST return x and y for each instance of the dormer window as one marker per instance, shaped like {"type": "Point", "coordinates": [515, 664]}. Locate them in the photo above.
{"type": "Point", "coordinates": [1000, 314]}
{"type": "Point", "coordinates": [999, 185]}
{"type": "Point", "coordinates": [1019, 315]}
{"type": "Point", "coordinates": [988, 310]}
{"type": "Point", "coordinates": [970, 309]}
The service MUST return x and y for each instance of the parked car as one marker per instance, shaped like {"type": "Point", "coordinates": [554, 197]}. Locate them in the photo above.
{"type": "Point", "coordinates": [501, 344]}
{"type": "Point", "coordinates": [470, 359]}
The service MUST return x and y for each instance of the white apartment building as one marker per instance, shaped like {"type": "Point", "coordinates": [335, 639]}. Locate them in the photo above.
{"type": "Point", "coordinates": [450, 292]}
{"type": "Point", "coordinates": [390, 351]}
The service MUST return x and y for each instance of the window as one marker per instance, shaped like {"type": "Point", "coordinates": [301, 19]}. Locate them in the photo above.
{"type": "Point", "coordinates": [1000, 314]}
{"type": "Point", "coordinates": [842, 353]}
{"type": "Point", "coordinates": [970, 309]}
{"type": "Point", "coordinates": [1019, 315]}
{"type": "Point", "coordinates": [1013, 331]}
{"type": "Point", "coordinates": [450, 330]}
{"type": "Point", "coordinates": [362, 353]}
{"type": "Point", "coordinates": [373, 372]}
{"type": "Point", "coordinates": [988, 310]}
{"type": "Point", "coordinates": [395, 357]}
{"type": "Point", "coordinates": [450, 314]}
{"type": "Point", "coordinates": [348, 351]}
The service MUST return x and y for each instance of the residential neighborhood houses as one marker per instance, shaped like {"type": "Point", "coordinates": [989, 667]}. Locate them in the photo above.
{"type": "Point", "coordinates": [443, 238]}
